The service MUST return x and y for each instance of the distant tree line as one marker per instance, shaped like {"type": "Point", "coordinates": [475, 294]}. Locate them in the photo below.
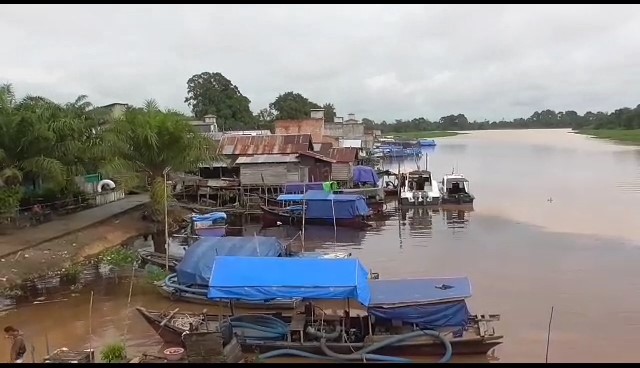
{"type": "Point", "coordinates": [213, 93]}
{"type": "Point", "coordinates": [624, 118]}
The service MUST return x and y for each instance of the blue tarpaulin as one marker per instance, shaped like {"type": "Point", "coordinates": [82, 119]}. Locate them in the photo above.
{"type": "Point", "coordinates": [290, 197]}
{"type": "Point", "coordinates": [295, 188]}
{"type": "Point", "coordinates": [430, 303]}
{"type": "Point", "coordinates": [419, 291]}
{"type": "Point", "coordinates": [365, 175]}
{"type": "Point", "coordinates": [210, 218]}
{"type": "Point", "coordinates": [250, 278]}
{"type": "Point", "coordinates": [195, 267]}
{"type": "Point", "coordinates": [323, 205]}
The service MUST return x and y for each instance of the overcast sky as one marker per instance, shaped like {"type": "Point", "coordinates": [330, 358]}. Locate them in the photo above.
{"type": "Point", "coordinates": [377, 61]}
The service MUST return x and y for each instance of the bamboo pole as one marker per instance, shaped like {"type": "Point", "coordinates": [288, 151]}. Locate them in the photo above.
{"type": "Point", "coordinates": [90, 322]}
{"type": "Point", "coordinates": [126, 318]}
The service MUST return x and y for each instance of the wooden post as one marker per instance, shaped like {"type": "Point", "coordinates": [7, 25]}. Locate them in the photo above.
{"type": "Point", "coordinates": [90, 313]}
{"type": "Point", "coordinates": [304, 212]}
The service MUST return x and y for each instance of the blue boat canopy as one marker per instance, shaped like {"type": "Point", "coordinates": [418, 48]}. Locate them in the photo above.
{"type": "Point", "coordinates": [324, 205]}
{"type": "Point", "coordinates": [195, 267]}
{"type": "Point", "coordinates": [433, 303]}
{"type": "Point", "coordinates": [263, 279]}
{"type": "Point", "coordinates": [365, 175]}
{"type": "Point", "coordinates": [419, 291]}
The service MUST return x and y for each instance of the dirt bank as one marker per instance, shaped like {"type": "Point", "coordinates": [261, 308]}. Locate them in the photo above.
{"type": "Point", "coordinates": [55, 255]}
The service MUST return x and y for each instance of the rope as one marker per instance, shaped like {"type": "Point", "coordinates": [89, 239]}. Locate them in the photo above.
{"type": "Point", "coordinates": [185, 322]}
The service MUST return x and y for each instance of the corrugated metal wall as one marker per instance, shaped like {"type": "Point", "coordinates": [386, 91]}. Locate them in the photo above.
{"type": "Point", "coordinates": [273, 174]}
{"type": "Point", "coordinates": [340, 171]}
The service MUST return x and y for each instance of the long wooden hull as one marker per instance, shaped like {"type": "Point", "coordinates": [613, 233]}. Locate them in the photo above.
{"type": "Point", "coordinates": [171, 334]}
{"type": "Point", "coordinates": [201, 298]}
{"type": "Point", "coordinates": [159, 260]}
{"type": "Point", "coordinates": [272, 217]}
{"type": "Point", "coordinates": [473, 344]}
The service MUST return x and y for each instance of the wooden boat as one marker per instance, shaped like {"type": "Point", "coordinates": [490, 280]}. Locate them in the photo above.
{"type": "Point", "coordinates": [170, 325]}
{"type": "Point", "coordinates": [399, 316]}
{"type": "Point", "coordinates": [272, 217]}
{"type": "Point", "coordinates": [159, 259]}
{"type": "Point", "coordinates": [455, 189]}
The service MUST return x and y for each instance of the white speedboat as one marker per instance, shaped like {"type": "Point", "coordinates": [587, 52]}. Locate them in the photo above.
{"type": "Point", "coordinates": [418, 189]}
{"type": "Point", "coordinates": [455, 189]}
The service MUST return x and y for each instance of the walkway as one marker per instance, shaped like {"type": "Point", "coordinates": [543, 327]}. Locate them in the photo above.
{"type": "Point", "coordinates": [27, 238]}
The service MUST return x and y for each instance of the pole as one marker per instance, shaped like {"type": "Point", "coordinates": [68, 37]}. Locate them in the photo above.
{"type": "Point", "coordinates": [304, 212]}
{"type": "Point", "coordinates": [166, 221]}
{"type": "Point", "coordinates": [90, 323]}
{"type": "Point", "coordinates": [546, 358]}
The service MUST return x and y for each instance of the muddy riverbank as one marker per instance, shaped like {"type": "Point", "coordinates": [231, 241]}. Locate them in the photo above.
{"type": "Point", "coordinates": [55, 255]}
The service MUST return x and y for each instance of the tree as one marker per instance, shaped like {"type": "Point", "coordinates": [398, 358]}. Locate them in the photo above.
{"type": "Point", "coordinates": [265, 118]}
{"type": "Point", "coordinates": [146, 141]}
{"type": "Point", "coordinates": [329, 112]}
{"type": "Point", "coordinates": [290, 105]}
{"type": "Point", "coordinates": [214, 94]}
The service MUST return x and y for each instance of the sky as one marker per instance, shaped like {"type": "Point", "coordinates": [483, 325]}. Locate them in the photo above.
{"type": "Point", "coordinates": [384, 62]}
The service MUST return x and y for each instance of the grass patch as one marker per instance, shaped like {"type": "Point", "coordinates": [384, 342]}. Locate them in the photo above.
{"type": "Point", "coordinates": [155, 274]}
{"type": "Point", "coordinates": [114, 353]}
{"type": "Point", "coordinates": [620, 135]}
{"type": "Point", "coordinates": [119, 257]}
{"type": "Point", "coordinates": [425, 134]}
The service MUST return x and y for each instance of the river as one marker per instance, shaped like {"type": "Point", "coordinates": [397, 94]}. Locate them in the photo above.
{"type": "Point", "coordinates": [554, 224]}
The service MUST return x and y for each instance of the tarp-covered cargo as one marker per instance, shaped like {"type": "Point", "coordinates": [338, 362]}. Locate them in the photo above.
{"type": "Point", "coordinates": [250, 278]}
{"type": "Point", "coordinates": [431, 303]}
{"type": "Point", "coordinates": [195, 267]}
{"type": "Point", "coordinates": [323, 205]}
{"type": "Point", "coordinates": [365, 175]}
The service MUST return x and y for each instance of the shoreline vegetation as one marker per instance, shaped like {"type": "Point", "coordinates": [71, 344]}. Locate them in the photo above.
{"type": "Point", "coordinates": [631, 136]}
{"type": "Point", "coordinates": [425, 134]}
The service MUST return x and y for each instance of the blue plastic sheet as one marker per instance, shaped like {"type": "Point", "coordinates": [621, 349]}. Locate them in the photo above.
{"type": "Point", "coordinates": [365, 175]}
{"type": "Point", "coordinates": [290, 197]}
{"type": "Point", "coordinates": [323, 205]}
{"type": "Point", "coordinates": [419, 291]}
{"type": "Point", "coordinates": [250, 278]}
{"type": "Point", "coordinates": [427, 316]}
{"type": "Point", "coordinates": [210, 218]}
{"type": "Point", "coordinates": [195, 267]}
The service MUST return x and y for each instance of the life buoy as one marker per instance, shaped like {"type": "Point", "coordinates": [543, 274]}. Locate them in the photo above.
{"type": "Point", "coordinates": [109, 183]}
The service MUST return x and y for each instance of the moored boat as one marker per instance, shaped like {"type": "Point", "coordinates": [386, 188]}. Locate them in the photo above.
{"type": "Point", "coordinates": [321, 208]}
{"type": "Point", "coordinates": [407, 317]}
{"type": "Point", "coordinates": [425, 142]}
{"type": "Point", "coordinates": [455, 189]}
{"type": "Point", "coordinates": [418, 189]}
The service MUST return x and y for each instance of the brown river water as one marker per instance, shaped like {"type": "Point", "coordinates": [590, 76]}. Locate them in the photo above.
{"type": "Point", "coordinates": [556, 223]}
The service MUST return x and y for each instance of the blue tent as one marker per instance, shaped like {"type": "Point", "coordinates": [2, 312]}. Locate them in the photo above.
{"type": "Point", "coordinates": [254, 279]}
{"type": "Point", "coordinates": [195, 267]}
{"type": "Point", "coordinates": [324, 205]}
{"type": "Point", "coordinates": [290, 198]}
{"type": "Point", "coordinates": [431, 303]}
{"type": "Point", "coordinates": [365, 175]}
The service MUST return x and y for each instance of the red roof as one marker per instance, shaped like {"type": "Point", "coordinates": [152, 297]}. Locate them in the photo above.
{"type": "Point", "coordinates": [317, 156]}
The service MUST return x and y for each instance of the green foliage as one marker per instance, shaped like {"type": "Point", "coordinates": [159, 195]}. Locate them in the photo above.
{"type": "Point", "coordinates": [429, 134]}
{"type": "Point", "coordinates": [290, 105]}
{"type": "Point", "coordinates": [329, 112]}
{"type": "Point", "coordinates": [72, 274]}
{"type": "Point", "coordinates": [155, 274]}
{"type": "Point", "coordinates": [622, 135]}
{"type": "Point", "coordinates": [114, 353]}
{"type": "Point", "coordinates": [119, 257]}
{"type": "Point", "coordinates": [9, 200]}
{"type": "Point", "coordinates": [214, 94]}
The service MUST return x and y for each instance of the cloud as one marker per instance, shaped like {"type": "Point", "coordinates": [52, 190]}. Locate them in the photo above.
{"type": "Point", "coordinates": [378, 61]}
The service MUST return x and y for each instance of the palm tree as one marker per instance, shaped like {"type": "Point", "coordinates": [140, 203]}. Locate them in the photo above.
{"type": "Point", "coordinates": [146, 141]}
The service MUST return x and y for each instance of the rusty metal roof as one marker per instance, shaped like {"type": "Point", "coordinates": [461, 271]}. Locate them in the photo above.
{"type": "Point", "coordinates": [264, 159]}
{"type": "Point", "coordinates": [317, 156]}
{"type": "Point", "coordinates": [264, 144]}
{"type": "Point", "coordinates": [322, 148]}
{"type": "Point", "coordinates": [346, 154]}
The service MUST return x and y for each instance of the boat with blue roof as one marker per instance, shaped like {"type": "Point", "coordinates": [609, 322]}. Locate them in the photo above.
{"type": "Point", "coordinates": [318, 207]}
{"type": "Point", "coordinates": [413, 317]}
